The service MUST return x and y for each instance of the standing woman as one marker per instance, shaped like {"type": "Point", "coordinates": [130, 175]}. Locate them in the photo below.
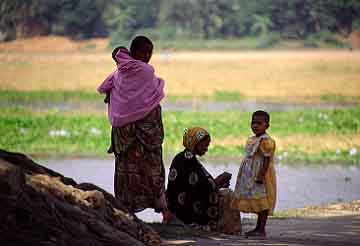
{"type": "Point", "coordinates": [137, 128]}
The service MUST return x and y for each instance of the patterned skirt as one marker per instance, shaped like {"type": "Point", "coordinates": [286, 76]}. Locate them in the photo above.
{"type": "Point", "coordinates": [139, 180]}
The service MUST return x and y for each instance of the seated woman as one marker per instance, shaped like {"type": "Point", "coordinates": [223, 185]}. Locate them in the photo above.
{"type": "Point", "coordinates": [194, 196]}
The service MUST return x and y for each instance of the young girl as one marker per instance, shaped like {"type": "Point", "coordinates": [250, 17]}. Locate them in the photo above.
{"type": "Point", "coordinates": [255, 190]}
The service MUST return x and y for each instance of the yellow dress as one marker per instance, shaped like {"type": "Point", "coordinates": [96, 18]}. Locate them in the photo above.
{"type": "Point", "coordinates": [250, 196]}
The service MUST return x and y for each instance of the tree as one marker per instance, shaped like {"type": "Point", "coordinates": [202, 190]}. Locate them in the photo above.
{"type": "Point", "coordinates": [126, 17]}
{"type": "Point", "coordinates": [22, 18]}
{"type": "Point", "coordinates": [81, 18]}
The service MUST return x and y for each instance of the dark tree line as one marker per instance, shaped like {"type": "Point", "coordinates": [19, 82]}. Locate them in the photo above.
{"type": "Point", "coordinates": [177, 19]}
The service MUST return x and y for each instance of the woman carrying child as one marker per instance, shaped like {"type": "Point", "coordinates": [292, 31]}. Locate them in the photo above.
{"type": "Point", "coordinates": [255, 190]}
{"type": "Point", "coordinates": [137, 128]}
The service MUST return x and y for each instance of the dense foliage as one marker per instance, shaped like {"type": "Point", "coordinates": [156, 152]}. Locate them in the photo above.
{"type": "Point", "coordinates": [178, 19]}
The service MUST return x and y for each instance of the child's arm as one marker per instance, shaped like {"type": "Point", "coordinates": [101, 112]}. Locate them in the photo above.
{"type": "Point", "coordinates": [107, 84]}
{"type": "Point", "coordinates": [267, 147]}
{"type": "Point", "coordinates": [106, 87]}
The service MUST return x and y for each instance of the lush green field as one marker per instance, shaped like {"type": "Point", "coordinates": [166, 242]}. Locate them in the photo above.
{"type": "Point", "coordinates": [314, 135]}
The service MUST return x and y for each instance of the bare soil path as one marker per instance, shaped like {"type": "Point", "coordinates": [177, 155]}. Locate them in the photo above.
{"type": "Point", "coordinates": [335, 230]}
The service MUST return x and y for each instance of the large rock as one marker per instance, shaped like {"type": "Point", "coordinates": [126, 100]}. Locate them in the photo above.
{"type": "Point", "coordinates": [42, 207]}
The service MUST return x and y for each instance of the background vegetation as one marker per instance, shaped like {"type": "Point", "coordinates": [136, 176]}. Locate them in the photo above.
{"type": "Point", "coordinates": [176, 21]}
{"type": "Point", "coordinates": [48, 84]}
{"type": "Point", "coordinates": [323, 136]}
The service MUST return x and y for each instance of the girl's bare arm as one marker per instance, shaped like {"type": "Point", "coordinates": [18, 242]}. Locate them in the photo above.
{"type": "Point", "coordinates": [261, 175]}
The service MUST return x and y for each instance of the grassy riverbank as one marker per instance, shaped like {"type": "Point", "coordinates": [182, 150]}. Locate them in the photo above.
{"type": "Point", "coordinates": [310, 136]}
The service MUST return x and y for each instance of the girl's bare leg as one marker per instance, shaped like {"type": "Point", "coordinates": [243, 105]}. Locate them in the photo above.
{"type": "Point", "coordinates": [260, 224]}
{"type": "Point", "coordinates": [263, 215]}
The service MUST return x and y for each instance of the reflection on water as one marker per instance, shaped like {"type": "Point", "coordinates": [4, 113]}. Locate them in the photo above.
{"type": "Point", "coordinates": [297, 186]}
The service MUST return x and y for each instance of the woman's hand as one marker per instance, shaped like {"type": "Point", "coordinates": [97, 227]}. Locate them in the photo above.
{"type": "Point", "coordinates": [223, 180]}
{"type": "Point", "coordinates": [107, 98]}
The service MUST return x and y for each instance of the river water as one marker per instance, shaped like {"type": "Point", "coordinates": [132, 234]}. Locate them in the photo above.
{"type": "Point", "coordinates": [297, 185]}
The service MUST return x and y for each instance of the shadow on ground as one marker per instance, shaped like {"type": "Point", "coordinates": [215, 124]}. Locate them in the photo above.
{"type": "Point", "coordinates": [337, 230]}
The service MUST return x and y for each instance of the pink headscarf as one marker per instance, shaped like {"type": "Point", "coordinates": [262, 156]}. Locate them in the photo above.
{"type": "Point", "coordinates": [134, 90]}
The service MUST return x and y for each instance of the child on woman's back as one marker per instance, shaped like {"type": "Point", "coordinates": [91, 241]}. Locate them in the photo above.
{"type": "Point", "coordinates": [255, 189]}
{"type": "Point", "coordinates": [133, 87]}
{"type": "Point", "coordinates": [113, 55]}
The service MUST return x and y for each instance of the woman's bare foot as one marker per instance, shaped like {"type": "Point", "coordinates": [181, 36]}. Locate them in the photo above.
{"type": "Point", "coordinates": [166, 216]}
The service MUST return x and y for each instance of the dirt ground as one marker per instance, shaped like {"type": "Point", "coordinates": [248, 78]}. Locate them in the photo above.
{"type": "Point", "coordinates": [337, 230]}
{"type": "Point", "coordinates": [337, 224]}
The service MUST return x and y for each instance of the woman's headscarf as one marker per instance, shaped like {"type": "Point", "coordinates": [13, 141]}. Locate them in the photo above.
{"type": "Point", "coordinates": [192, 136]}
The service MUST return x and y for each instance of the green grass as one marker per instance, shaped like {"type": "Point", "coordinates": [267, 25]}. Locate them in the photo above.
{"type": "Point", "coordinates": [12, 96]}
{"type": "Point", "coordinates": [228, 96]}
{"type": "Point", "coordinates": [58, 134]}
{"type": "Point", "coordinates": [333, 98]}
{"type": "Point", "coordinates": [221, 124]}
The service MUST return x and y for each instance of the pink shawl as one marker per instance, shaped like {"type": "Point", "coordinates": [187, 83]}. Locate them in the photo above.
{"type": "Point", "coordinates": [134, 90]}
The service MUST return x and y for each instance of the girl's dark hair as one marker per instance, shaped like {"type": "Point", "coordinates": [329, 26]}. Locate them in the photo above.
{"type": "Point", "coordinates": [138, 42]}
{"type": "Point", "coordinates": [262, 114]}
{"type": "Point", "coordinates": [115, 51]}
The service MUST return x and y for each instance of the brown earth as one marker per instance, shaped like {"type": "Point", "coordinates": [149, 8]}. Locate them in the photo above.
{"type": "Point", "coordinates": [297, 76]}
{"type": "Point", "coordinates": [54, 44]}
{"type": "Point", "coordinates": [335, 224]}
{"type": "Point", "coordinates": [327, 231]}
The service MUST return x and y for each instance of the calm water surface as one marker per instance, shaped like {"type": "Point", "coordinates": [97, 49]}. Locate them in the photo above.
{"type": "Point", "coordinates": [297, 186]}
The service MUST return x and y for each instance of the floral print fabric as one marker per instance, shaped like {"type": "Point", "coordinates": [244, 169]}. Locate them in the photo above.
{"type": "Point", "coordinates": [192, 194]}
{"type": "Point", "coordinates": [139, 178]}
{"type": "Point", "coordinates": [252, 196]}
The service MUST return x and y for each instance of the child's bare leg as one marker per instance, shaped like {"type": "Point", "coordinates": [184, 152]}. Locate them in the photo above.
{"type": "Point", "coordinates": [262, 218]}
{"type": "Point", "coordinates": [257, 226]}
{"type": "Point", "coordinates": [257, 222]}
{"type": "Point", "coordinates": [260, 224]}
